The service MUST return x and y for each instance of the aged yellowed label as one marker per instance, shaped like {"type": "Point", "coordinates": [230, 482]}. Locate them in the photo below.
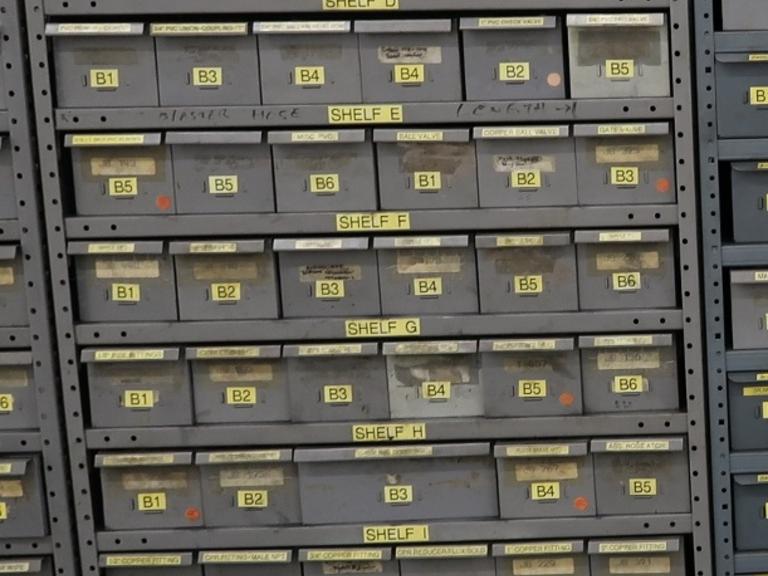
{"type": "Point", "coordinates": [511, 22]}
{"type": "Point", "coordinates": [7, 276]}
{"type": "Point", "coordinates": [537, 450]}
{"type": "Point", "coordinates": [519, 241]}
{"type": "Point", "coordinates": [108, 139]}
{"type": "Point", "coordinates": [123, 166]}
{"type": "Point", "coordinates": [394, 452]}
{"type": "Point", "coordinates": [244, 456]}
{"type": "Point", "coordinates": [634, 260]}
{"type": "Point", "coordinates": [94, 28]}
{"type": "Point", "coordinates": [618, 341]}
{"type": "Point", "coordinates": [521, 132]}
{"type": "Point", "coordinates": [420, 136]}
{"type": "Point", "coordinates": [200, 28]}
{"type": "Point", "coordinates": [605, 154]}
{"type": "Point", "coordinates": [524, 345]}
{"type": "Point", "coordinates": [344, 555]}
{"type": "Point", "coordinates": [428, 262]}
{"type": "Point", "coordinates": [240, 372]}
{"type": "Point", "coordinates": [125, 269]}
{"type": "Point", "coordinates": [330, 349]}
{"type": "Point", "coordinates": [629, 359]}
{"type": "Point", "coordinates": [620, 236]}
{"type": "Point", "coordinates": [14, 567]}
{"type": "Point", "coordinates": [138, 459]}
{"type": "Point", "coordinates": [755, 391]}
{"type": "Point", "coordinates": [112, 248]}
{"type": "Point", "coordinates": [251, 478]}
{"type": "Point", "coordinates": [537, 472]}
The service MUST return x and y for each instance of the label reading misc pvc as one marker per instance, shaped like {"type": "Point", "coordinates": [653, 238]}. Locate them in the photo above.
{"type": "Point", "coordinates": [107, 139]}
{"type": "Point", "coordinates": [461, 551]}
{"type": "Point", "coordinates": [341, 555]}
{"type": "Point", "coordinates": [366, 114]}
{"type": "Point", "coordinates": [536, 450]}
{"type": "Point", "coordinates": [396, 533]}
{"type": "Point", "coordinates": [401, 432]}
{"type": "Point", "coordinates": [128, 355]}
{"type": "Point", "coordinates": [361, 5]}
{"type": "Point", "coordinates": [535, 548]}
{"type": "Point", "coordinates": [637, 446]}
{"type": "Point", "coordinates": [144, 560]}
{"type": "Point", "coordinates": [631, 547]}
{"type": "Point", "coordinates": [243, 557]}
{"type": "Point", "coordinates": [315, 136]}
{"type": "Point", "coordinates": [382, 327]}
{"type": "Point", "coordinates": [372, 221]}
{"type": "Point", "coordinates": [394, 452]}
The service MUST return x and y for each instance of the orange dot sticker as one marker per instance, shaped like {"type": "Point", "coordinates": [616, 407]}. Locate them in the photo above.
{"type": "Point", "coordinates": [567, 399]}
{"type": "Point", "coordinates": [192, 513]}
{"type": "Point", "coordinates": [554, 79]}
{"type": "Point", "coordinates": [581, 503]}
{"type": "Point", "coordinates": [163, 202]}
{"type": "Point", "coordinates": [663, 185]}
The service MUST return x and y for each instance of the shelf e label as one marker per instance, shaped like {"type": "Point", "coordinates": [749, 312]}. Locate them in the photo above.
{"type": "Point", "coordinates": [366, 114]}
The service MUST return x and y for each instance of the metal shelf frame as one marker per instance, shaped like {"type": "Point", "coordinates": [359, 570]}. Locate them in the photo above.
{"type": "Point", "coordinates": [29, 231]}
{"type": "Point", "coordinates": [686, 320]}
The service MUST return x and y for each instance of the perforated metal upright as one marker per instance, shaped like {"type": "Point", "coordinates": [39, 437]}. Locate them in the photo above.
{"type": "Point", "coordinates": [47, 441]}
{"type": "Point", "coordinates": [683, 319]}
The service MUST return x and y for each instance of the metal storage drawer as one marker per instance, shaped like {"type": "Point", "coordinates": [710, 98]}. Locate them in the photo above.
{"type": "Point", "coordinates": [618, 55]}
{"type": "Point", "coordinates": [445, 560]}
{"type": "Point", "coordinates": [322, 277]}
{"type": "Point", "coordinates": [750, 510]}
{"type": "Point", "coordinates": [427, 275]}
{"type": "Point", "coordinates": [323, 171]}
{"type": "Point", "coordinates": [626, 269]}
{"type": "Point", "coordinates": [394, 483]}
{"type": "Point", "coordinates": [22, 498]}
{"type": "Point", "coordinates": [525, 166]}
{"type": "Point", "coordinates": [555, 557]}
{"type": "Point", "coordinates": [18, 395]}
{"type": "Point", "coordinates": [641, 476]}
{"type": "Point", "coordinates": [625, 163]}
{"type": "Point", "coordinates": [121, 174]}
{"type": "Point", "coordinates": [749, 308]}
{"type": "Point", "coordinates": [315, 62]}
{"type": "Point", "coordinates": [742, 95]}
{"type": "Point", "coordinates": [150, 490]}
{"type": "Point", "coordinates": [513, 58]}
{"type": "Point", "coordinates": [362, 561]}
{"type": "Point", "coordinates": [149, 564]}
{"type": "Point", "coordinates": [225, 279]}
{"type": "Point", "coordinates": [748, 410]}
{"type": "Point", "coordinates": [249, 488]}
{"type": "Point", "coordinates": [410, 60]}
{"type": "Point", "coordinates": [8, 199]}
{"type": "Point", "coordinates": [433, 379]}
{"type": "Point", "coordinates": [551, 480]}
{"type": "Point", "coordinates": [744, 15]}
{"type": "Point", "coordinates": [426, 169]}
{"type": "Point", "coordinates": [13, 296]}
{"type": "Point", "coordinates": [103, 65]}
{"type": "Point", "coordinates": [137, 387]}
{"type": "Point", "coordinates": [337, 382]}
{"type": "Point", "coordinates": [637, 556]}
{"type": "Point", "coordinates": [528, 378]}
{"type": "Point", "coordinates": [124, 281]}
{"type": "Point", "coordinates": [239, 384]}
{"type": "Point", "coordinates": [249, 563]}
{"type": "Point", "coordinates": [749, 199]}
{"type": "Point", "coordinates": [531, 272]}
{"type": "Point", "coordinates": [206, 64]}
{"type": "Point", "coordinates": [636, 373]}
{"type": "Point", "coordinates": [221, 172]}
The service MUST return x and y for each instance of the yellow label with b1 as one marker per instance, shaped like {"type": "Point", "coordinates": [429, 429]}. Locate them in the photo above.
{"type": "Point", "coordinates": [139, 399]}
{"type": "Point", "coordinates": [427, 181]}
{"type": "Point", "coordinates": [151, 502]}
{"type": "Point", "coordinates": [104, 78]}
{"type": "Point", "coordinates": [130, 293]}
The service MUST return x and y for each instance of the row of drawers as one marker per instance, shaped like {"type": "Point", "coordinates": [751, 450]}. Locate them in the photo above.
{"type": "Point", "coordinates": [502, 58]}
{"type": "Point", "coordinates": [394, 483]}
{"type": "Point", "coordinates": [327, 277]}
{"type": "Point", "coordinates": [555, 558]}
{"type": "Point", "coordinates": [338, 170]}
{"type": "Point", "coordinates": [353, 382]}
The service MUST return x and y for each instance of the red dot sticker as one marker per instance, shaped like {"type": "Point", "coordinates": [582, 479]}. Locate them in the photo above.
{"type": "Point", "coordinates": [163, 202]}
{"type": "Point", "coordinates": [581, 503]}
{"type": "Point", "coordinates": [192, 514]}
{"type": "Point", "coordinates": [567, 399]}
{"type": "Point", "coordinates": [663, 185]}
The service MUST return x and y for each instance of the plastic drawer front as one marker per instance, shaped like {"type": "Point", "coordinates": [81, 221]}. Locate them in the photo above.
{"type": "Point", "coordinates": [13, 297]}
{"type": "Point", "coordinates": [749, 308]}
{"type": "Point", "coordinates": [337, 382]}
{"type": "Point", "coordinates": [635, 373]}
{"type": "Point", "coordinates": [324, 171]}
{"type": "Point", "coordinates": [207, 64]}
{"type": "Point", "coordinates": [221, 172]}
{"type": "Point", "coordinates": [433, 379]}
{"type": "Point", "coordinates": [121, 174]}
{"type": "Point", "coordinates": [103, 65]}
{"type": "Point", "coordinates": [426, 169]}
{"type": "Point", "coordinates": [626, 269]}
{"type": "Point", "coordinates": [22, 498]}
{"type": "Point", "coordinates": [239, 384]}
{"type": "Point", "coordinates": [545, 480]}
{"type": "Point", "coordinates": [529, 378]}
{"type": "Point", "coordinates": [427, 275]}
{"type": "Point", "coordinates": [525, 166]}
{"type": "Point", "coordinates": [637, 556]}
{"type": "Point", "coordinates": [742, 95]}
{"type": "Point", "coordinates": [249, 488]}
{"type": "Point", "coordinates": [531, 272]}
{"type": "Point", "coordinates": [124, 282]}
{"type": "Point", "coordinates": [750, 510]}
{"type": "Point", "coordinates": [18, 397]}
{"type": "Point", "coordinates": [749, 199]}
{"type": "Point", "coordinates": [150, 490]}
{"type": "Point", "coordinates": [555, 557]}
{"type": "Point", "coordinates": [341, 485]}
{"type": "Point", "coordinates": [641, 476]}
{"type": "Point", "coordinates": [618, 55]}
{"type": "Point", "coordinates": [625, 163]}
{"type": "Point", "coordinates": [322, 277]}
{"type": "Point", "coordinates": [409, 61]}
{"type": "Point", "coordinates": [137, 388]}
{"type": "Point", "coordinates": [748, 410]}
{"type": "Point", "coordinates": [230, 279]}
{"type": "Point", "coordinates": [513, 58]}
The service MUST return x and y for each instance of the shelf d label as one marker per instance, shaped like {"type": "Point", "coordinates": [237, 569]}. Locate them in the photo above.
{"type": "Point", "coordinates": [395, 534]}
{"type": "Point", "coordinates": [366, 114]}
